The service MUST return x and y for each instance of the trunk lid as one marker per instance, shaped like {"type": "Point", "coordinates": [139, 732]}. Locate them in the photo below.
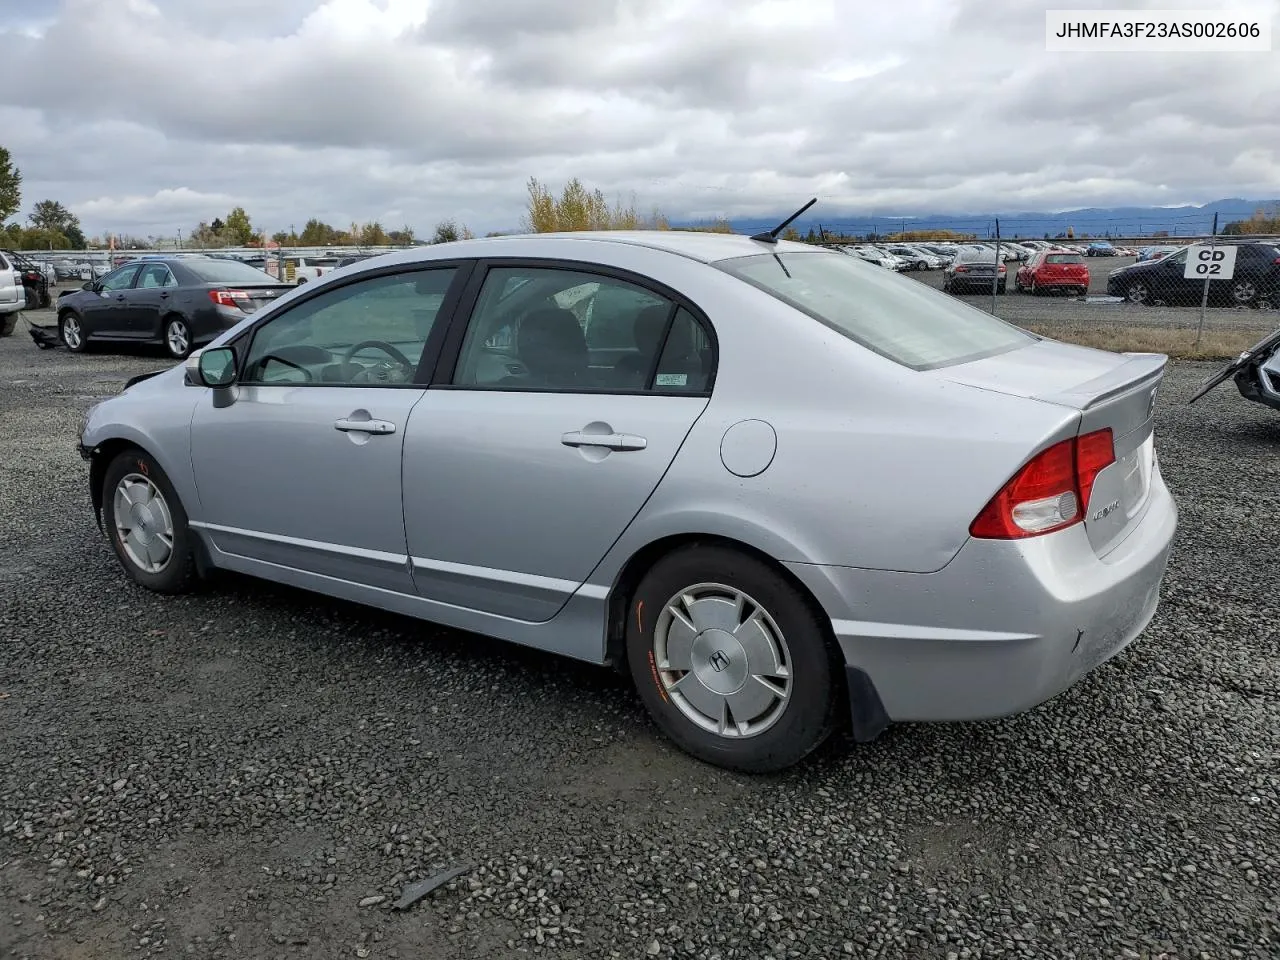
{"type": "Point", "coordinates": [1110, 390]}
{"type": "Point", "coordinates": [260, 294]}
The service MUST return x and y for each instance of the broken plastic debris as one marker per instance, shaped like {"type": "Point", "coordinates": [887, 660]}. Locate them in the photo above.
{"type": "Point", "coordinates": [416, 891]}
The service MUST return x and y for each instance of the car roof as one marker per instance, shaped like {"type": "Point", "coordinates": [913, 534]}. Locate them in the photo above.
{"type": "Point", "coordinates": [703, 247]}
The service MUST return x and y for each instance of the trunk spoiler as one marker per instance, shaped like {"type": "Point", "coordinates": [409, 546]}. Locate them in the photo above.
{"type": "Point", "coordinates": [1140, 370]}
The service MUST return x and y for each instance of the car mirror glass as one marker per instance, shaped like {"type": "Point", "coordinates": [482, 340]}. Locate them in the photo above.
{"type": "Point", "coordinates": [216, 367]}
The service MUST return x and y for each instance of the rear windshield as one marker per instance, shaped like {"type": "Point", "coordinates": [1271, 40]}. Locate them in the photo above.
{"type": "Point", "coordinates": [907, 321]}
{"type": "Point", "coordinates": [227, 271]}
{"type": "Point", "coordinates": [1064, 258]}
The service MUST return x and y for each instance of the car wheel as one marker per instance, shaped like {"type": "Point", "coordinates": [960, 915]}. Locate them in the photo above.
{"type": "Point", "coordinates": [1138, 292]}
{"type": "Point", "coordinates": [731, 661]}
{"type": "Point", "coordinates": [72, 332]}
{"type": "Point", "coordinates": [1266, 302]}
{"type": "Point", "coordinates": [177, 338]}
{"type": "Point", "coordinates": [147, 524]}
{"type": "Point", "coordinates": [1244, 292]}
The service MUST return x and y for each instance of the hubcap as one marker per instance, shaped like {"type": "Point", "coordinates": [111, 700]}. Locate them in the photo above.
{"type": "Point", "coordinates": [143, 523]}
{"type": "Point", "coordinates": [71, 332]}
{"type": "Point", "coordinates": [177, 337]}
{"type": "Point", "coordinates": [722, 660]}
{"type": "Point", "coordinates": [1244, 292]}
{"type": "Point", "coordinates": [1138, 293]}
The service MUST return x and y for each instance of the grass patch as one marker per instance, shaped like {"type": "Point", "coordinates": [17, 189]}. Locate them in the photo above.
{"type": "Point", "coordinates": [1179, 344]}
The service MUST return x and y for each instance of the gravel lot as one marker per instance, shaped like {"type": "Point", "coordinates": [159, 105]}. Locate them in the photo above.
{"type": "Point", "coordinates": [253, 772]}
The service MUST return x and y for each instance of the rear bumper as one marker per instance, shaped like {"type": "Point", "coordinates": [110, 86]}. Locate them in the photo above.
{"type": "Point", "coordinates": [1004, 626]}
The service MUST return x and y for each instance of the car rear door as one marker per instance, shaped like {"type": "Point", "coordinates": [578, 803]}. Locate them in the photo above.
{"type": "Point", "coordinates": [302, 470]}
{"type": "Point", "coordinates": [524, 463]}
{"type": "Point", "coordinates": [149, 300]}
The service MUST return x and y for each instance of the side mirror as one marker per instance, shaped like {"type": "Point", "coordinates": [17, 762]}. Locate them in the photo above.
{"type": "Point", "coordinates": [216, 367]}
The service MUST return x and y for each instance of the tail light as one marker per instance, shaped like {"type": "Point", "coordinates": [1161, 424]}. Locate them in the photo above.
{"type": "Point", "coordinates": [1050, 492]}
{"type": "Point", "coordinates": [228, 298]}
{"type": "Point", "coordinates": [1002, 269]}
{"type": "Point", "coordinates": [962, 269]}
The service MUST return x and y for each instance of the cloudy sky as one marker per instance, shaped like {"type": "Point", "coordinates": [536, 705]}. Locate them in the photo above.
{"type": "Point", "coordinates": [145, 116]}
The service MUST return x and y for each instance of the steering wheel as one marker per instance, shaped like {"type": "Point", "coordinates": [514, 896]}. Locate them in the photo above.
{"type": "Point", "coordinates": [405, 363]}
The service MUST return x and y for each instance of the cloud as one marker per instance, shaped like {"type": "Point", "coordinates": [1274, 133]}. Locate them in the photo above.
{"type": "Point", "coordinates": [146, 116]}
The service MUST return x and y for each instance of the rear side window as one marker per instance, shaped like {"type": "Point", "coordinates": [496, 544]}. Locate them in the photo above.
{"type": "Point", "coordinates": [909, 322]}
{"type": "Point", "coordinates": [226, 271]}
{"type": "Point", "coordinates": [1064, 258]}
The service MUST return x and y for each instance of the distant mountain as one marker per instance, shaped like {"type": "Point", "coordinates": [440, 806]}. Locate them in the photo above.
{"type": "Point", "coordinates": [1089, 221]}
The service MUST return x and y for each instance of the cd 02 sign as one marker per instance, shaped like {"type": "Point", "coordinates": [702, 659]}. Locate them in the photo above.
{"type": "Point", "coordinates": [1210, 263]}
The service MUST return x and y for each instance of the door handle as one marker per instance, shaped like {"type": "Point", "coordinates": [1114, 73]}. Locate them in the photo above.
{"type": "Point", "coordinates": [614, 441]}
{"type": "Point", "coordinates": [164, 296]}
{"type": "Point", "coordinates": [347, 425]}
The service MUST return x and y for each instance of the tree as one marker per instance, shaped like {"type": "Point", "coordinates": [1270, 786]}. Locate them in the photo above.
{"type": "Point", "coordinates": [402, 237]}
{"type": "Point", "coordinates": [372, 235]}
{"type": "Point", "coordinates": [448, 230]}
{"type": "Point", "coordinates": [53, 216]}
{"type": "Point", "coordinates": [578, 208]}
{"type": "Point", "coordinates": [238, 228]}
{"type": "Point", "coordinates": [10, 186]}
{"type": "Point", "coordinates": [315, 233]}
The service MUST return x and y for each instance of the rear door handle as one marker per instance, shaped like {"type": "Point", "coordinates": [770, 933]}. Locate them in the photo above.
{"type": "Point", "coordinates": [347, 425]}
{"type": "Point", "coordinates": [614, 441]}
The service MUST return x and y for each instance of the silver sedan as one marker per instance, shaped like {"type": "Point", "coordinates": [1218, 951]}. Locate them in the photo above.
{"type": "Point", "coordinates": [788, 491]}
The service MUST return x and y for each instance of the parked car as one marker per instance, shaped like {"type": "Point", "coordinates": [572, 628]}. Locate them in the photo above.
{"type": "Point", "coordinates": [1256, 373]}
{"type": "Point", "coordinates": [33, 277]}
{"type": "Point", "coordinates": [972, 271]}
{"type": "Point", "coordinates": [913, 259]}
{"type": "Point", "coordinates": [306, 269]}
{"type": "Point", "coordinates": [1101, 248]}
{"type": "Point", "coordinates": [1154, 253]}
{"type": "Point", "coordinates": [13, 294]}
{"type": "Point", "coordinates": [468, 452]}
{"type": "Point", "coordinates": [1257, 270]}
{"type": "Point", "coordinates": [179, 301]}
{"type": "Point", "coordinates": [1053, 270]}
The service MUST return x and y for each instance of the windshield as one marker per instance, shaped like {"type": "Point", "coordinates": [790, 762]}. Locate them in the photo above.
{"type": "Point", "coordinates": [227, 271]}
{"type": "Point", "coordinates": [908, 322]}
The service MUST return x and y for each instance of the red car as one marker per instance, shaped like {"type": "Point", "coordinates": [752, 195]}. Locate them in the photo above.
{"type": "Point", "coordinates": [1053, 270]}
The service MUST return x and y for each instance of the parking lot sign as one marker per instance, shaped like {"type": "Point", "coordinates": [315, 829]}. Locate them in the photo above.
{"type": "Point", "coordinates": [1210, 263]}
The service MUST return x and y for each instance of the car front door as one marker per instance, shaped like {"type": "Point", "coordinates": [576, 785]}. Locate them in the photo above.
{"type": "Point", "coordinates": [526, 461]}
{"type": "Point", "coordinates": [149, 300]}
{"type": "Point", "coordinates": [107, 313]}
{"type": "Point", "coordinates": [303, 469]}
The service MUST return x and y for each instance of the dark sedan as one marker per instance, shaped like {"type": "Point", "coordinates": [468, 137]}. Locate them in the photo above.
{"type": "Point", "coordinates": [178, 302]}
{"type": "Point", "coordinates": [1256, 275]}
{"type": "Point", "coordinates": [972, 272]}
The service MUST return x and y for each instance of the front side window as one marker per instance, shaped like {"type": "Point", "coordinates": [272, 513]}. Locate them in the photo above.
{"type": "Point", "coordinates": [536, 328]}
{"type": "Point", "coordinates": [122, 279]}
{"type": "Point", "coordinates": [911, 323]}
{"type": "Point", "coordinates": [367, 333]}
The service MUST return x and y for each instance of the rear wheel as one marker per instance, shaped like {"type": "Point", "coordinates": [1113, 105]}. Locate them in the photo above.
{"type": "Point", "coordinates": [177, 337]}
{"type": "Point", "coordinates": [1138, 292]}
{"type": "Point", "coordinates": [147, 524]}
{"type": "Point", "coordinates": [72, 332]}
{"type": "Point", "coordinates": [731, 660]}
{"type": "Point", "coordinates": [1244, 292]}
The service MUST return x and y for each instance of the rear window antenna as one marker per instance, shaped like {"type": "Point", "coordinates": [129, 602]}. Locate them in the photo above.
{"type": "Point", "coordinates": [771, 236]}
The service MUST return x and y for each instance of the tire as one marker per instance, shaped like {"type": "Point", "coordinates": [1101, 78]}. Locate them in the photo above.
{"type": "Point", "coordinates": [1243, 292]}
{"type": "Point", "coordinates": [177, 337]}
{"type": "Point", "coordinates": [174, 570]}
{"type": "Point", "coordinates": [779, 625]}
{"type": "Point", "coordinates": [1035, 291]}
{"type": "Point", "coordinates": [71, 331]}
{"type": "Point", "coordinates": [1138, 293]}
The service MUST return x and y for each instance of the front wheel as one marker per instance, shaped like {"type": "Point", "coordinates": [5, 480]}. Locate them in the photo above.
{"type": "Point", "coordinates": [147, 524]}
{"type": "Point", "coordinates": [72, 333]}
{"type": "Point", "coordinates": [731, 661]}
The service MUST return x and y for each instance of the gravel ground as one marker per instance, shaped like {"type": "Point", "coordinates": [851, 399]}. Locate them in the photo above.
{"type": "Point", "coordinates": [255, 772]}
